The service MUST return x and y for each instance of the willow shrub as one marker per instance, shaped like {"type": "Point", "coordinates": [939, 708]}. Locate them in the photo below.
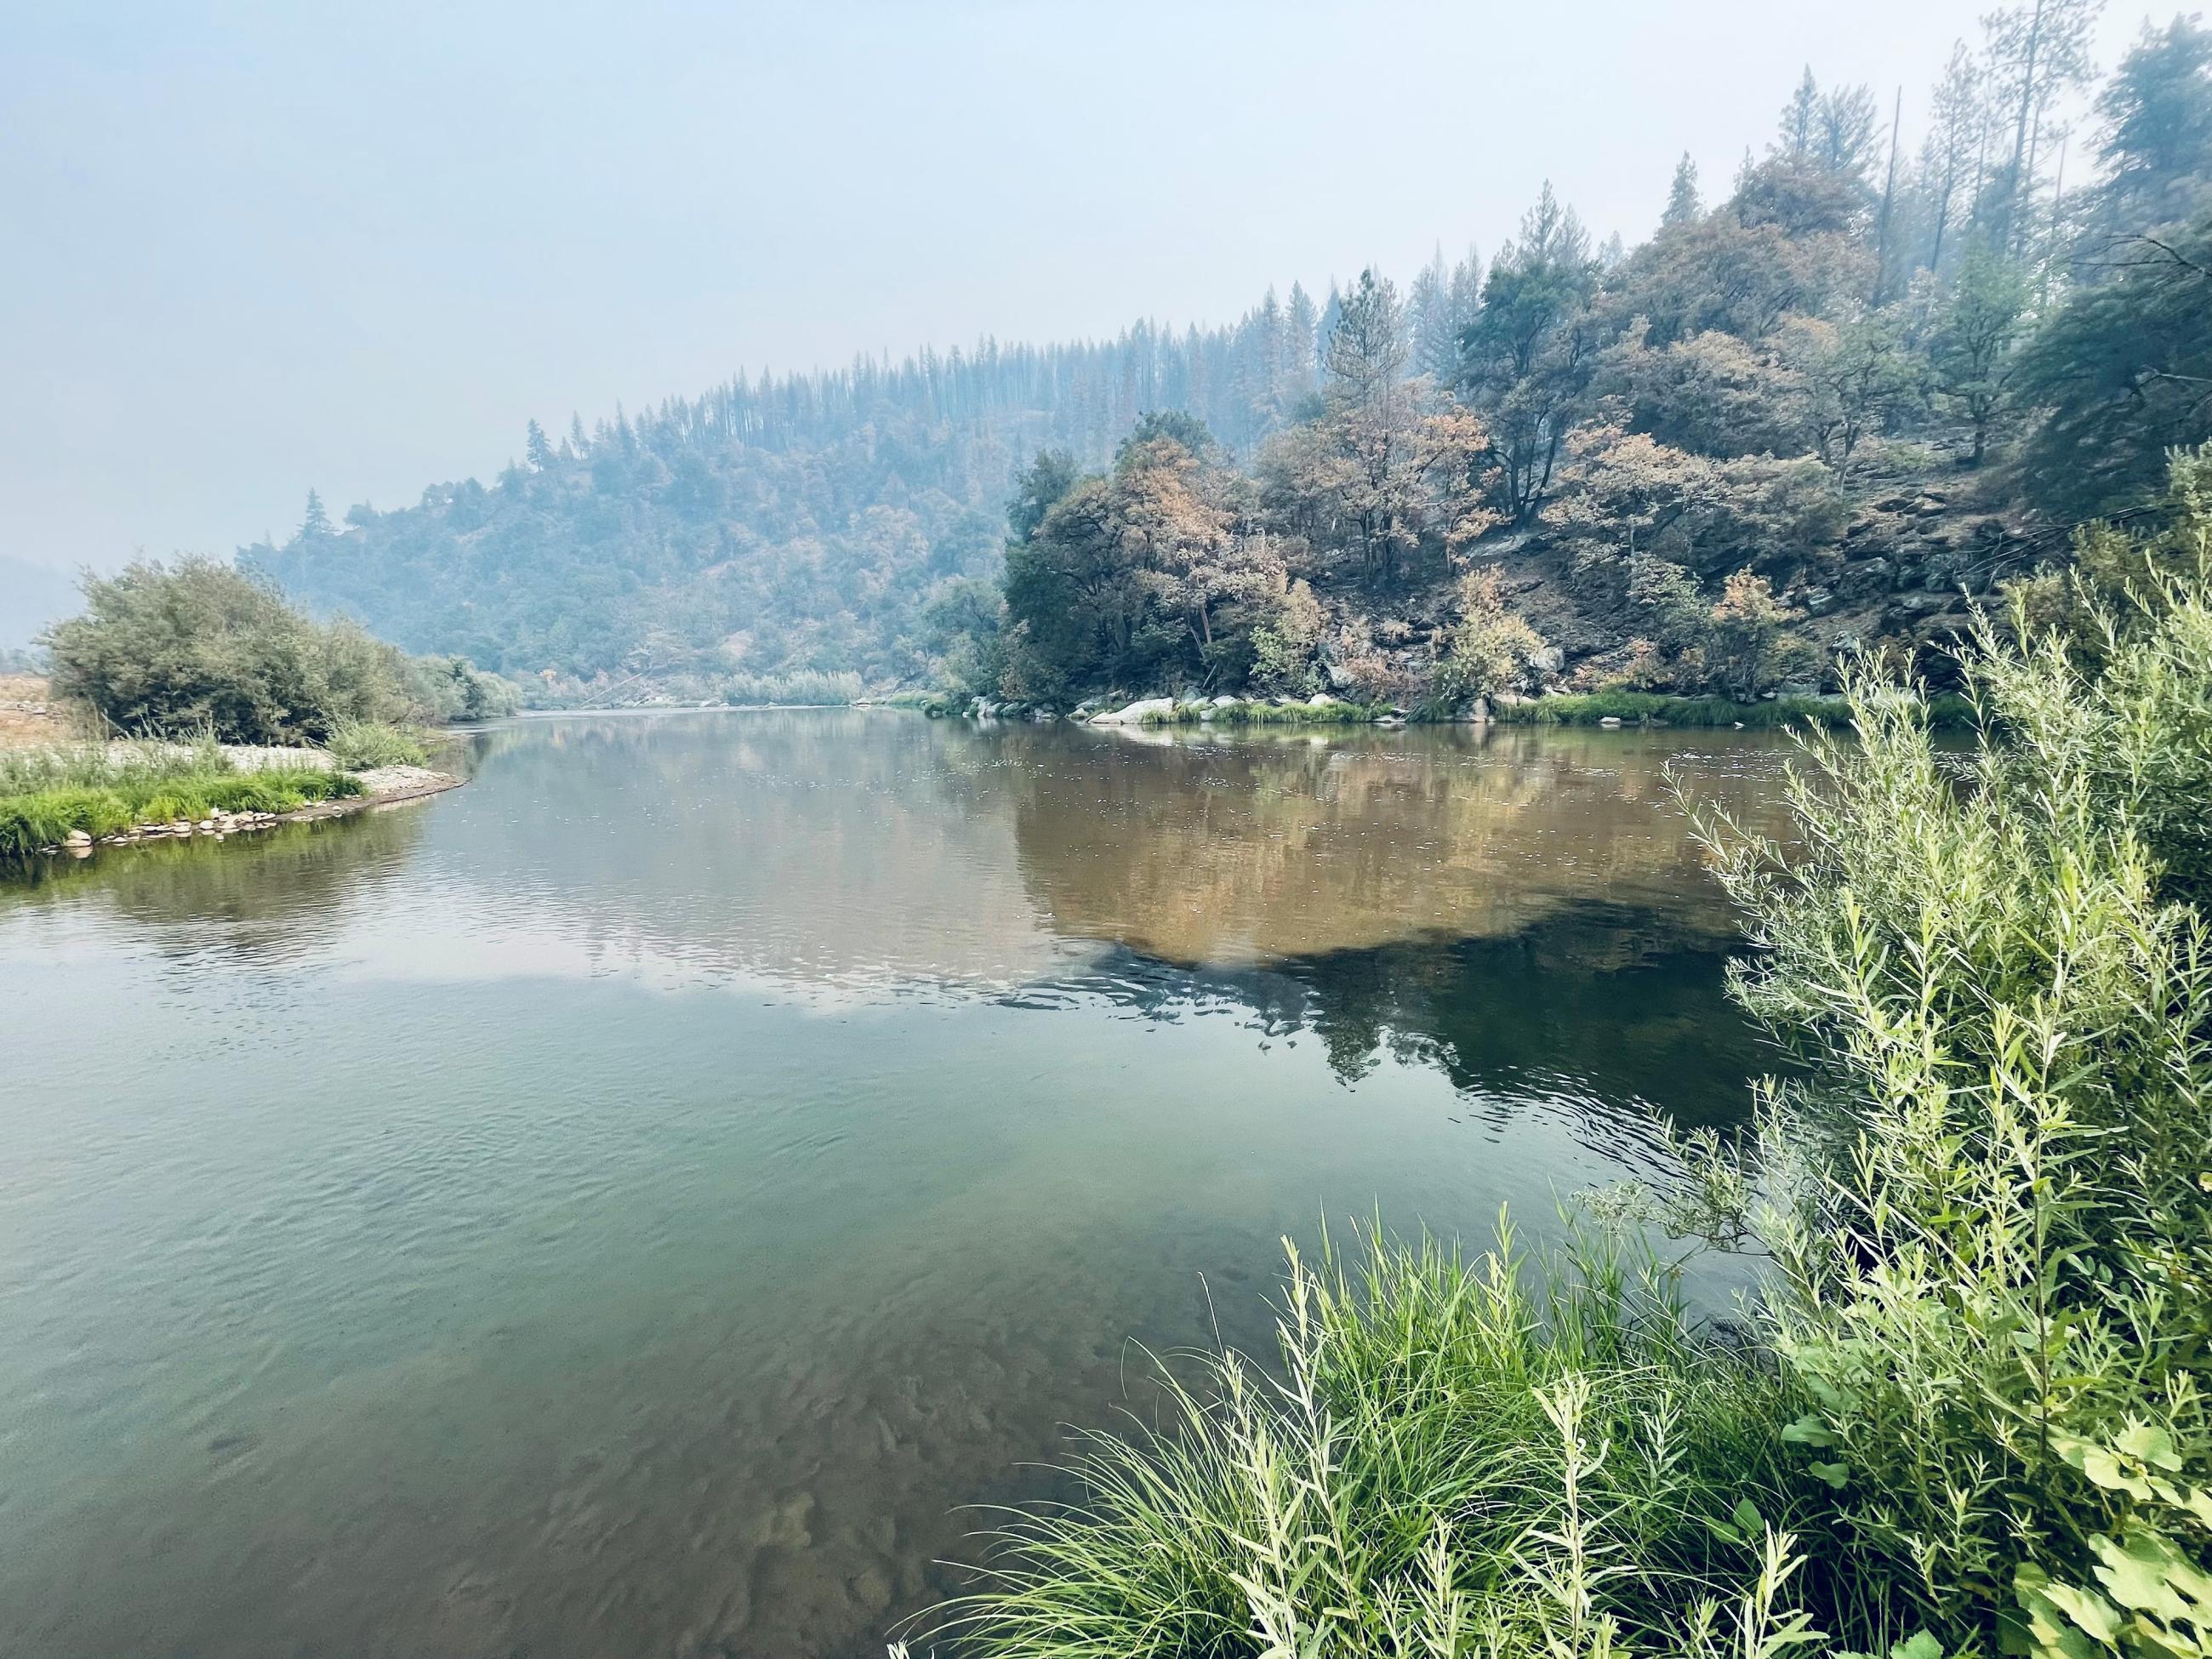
{"type": "Point", "coordinates": [1971, 1417]}
{"type": "Point", "coordinates": [1994, 1209]}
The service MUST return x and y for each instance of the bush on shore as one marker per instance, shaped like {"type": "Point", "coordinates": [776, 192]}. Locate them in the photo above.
{"type": "Point", "coordinates": [200, 645]}
{"type": "Point", "coordinates": [1966, 1411]}
{"type": "Point", "coordinates": [358, 746]}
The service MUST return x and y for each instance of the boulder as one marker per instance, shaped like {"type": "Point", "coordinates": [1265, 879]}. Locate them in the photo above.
{"type": "Point", "coordinates": [1137, 713]}
{"type": "Point", "coordinates": [76, 838]}
{"type": "Point", "coordinates": [1547, 660]}
{"type": "Point", "coordinates": [1224, 702]}
{"type": "Point", "coordinates": [1322, 700]}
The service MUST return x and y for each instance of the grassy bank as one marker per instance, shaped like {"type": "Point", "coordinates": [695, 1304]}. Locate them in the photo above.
{"type": "Point", "coordinates": [1968, 1409]}
{"type": "Point", "coordinates": [1946, 712]}
{"type": "Point", "coordinates": [101, 789]}
{"type": "Point", "coordinates": [1252, 711]}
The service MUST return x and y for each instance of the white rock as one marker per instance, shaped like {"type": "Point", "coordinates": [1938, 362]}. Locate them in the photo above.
{"type": "Point", "coordinates": [1137, 713]}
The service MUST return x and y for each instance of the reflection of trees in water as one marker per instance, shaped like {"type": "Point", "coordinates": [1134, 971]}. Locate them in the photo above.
{"type": "Point", "coordinates": [1525, 911]}
{"type": "Point", "coordinates": [1599, 1009]}
{"type": "Point", "coordinates": [254, 893]}
{"type": "Point", "coordinates": [1217, 852]}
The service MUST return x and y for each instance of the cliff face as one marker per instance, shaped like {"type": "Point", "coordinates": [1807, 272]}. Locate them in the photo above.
{"type": "Point", "coordinates": [1913, 555]}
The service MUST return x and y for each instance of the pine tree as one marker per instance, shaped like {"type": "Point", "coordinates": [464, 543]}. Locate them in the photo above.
{"type": "Point", "coordinates": [2037, 52]}
{"type": "Point", "coordinates": [1683, 206]}
{"type": "Point", "coordinates": [535, 449]}
{"type": "Point", "coordinates": [314, 522]}
{"type": "Point", "coordinates": [1301, 347]}
{"type": "Point", "coordinates": [1367, 347]}
{"type": "Point", "coordinates": [1956, 120]}
{"type": "Point", "coordinates": [1801, 119]}
{"type": "Point", "coordinates": [2157, 137]}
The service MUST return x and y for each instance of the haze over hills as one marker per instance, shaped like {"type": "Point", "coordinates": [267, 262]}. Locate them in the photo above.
{"type": "Point", "coordinates": [779, 523]}
{"type": "Point", "coordinates": [1815, 410]}
{"type": "Point", "coordinates": [32, 597]}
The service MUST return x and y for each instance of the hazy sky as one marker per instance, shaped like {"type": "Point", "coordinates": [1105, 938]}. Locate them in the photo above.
{"type": "Point", "coordinates": [245, 249]}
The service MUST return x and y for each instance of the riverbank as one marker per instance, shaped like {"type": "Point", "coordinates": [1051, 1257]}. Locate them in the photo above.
{"type": "Point", "coordinates": [1601, 708]}
{"type": "Point", "coordinates": [69, 800]}
{"type": "Point", "coordinates": [28, 718]}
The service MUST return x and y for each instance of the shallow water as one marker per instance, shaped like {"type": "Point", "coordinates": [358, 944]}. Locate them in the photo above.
{"type": "Point", "coordinates": [628, 1206]}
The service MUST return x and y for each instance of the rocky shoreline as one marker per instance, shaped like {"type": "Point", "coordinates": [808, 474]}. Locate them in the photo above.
{"type": "Point", "coordinates": [382, 786]}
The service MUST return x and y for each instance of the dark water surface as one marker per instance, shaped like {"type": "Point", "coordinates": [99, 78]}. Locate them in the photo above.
{"type": "Point", "coordinates": [627, 1206]}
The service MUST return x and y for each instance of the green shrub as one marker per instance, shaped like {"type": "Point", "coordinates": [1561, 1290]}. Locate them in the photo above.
{"type": "Point", "coordinates": [358, 745]}
{"type": "Point", "coordinates": [199, 646]}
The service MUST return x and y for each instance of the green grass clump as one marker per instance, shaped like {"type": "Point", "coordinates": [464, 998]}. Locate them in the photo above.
{"type": "Point", "coordinates": [1457, 1457]}
{"type": "Point", "coordinates": [358, 746]}
{"type": "Point", "coordinates": [47, 795]}
{"type": "Point", "coordinates": [1638, 707]}
{"type": "Point", "coordinates": [1946, 712]}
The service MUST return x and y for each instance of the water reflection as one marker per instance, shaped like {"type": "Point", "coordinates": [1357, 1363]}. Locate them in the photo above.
{"type": "Point", "coordinates": [626, 1206]}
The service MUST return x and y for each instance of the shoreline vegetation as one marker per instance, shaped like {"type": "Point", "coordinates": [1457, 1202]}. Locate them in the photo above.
{"type": "Point", "coordinates": [1946, 711]}
{"type": "Point", "coordinates": [204, 705]}
{"type": "Point", "coordinates": [70, 798]}
{"type": "Point", "coordinates": [1964, 1406]}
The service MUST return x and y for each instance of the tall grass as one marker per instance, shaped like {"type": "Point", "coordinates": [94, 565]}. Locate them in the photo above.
{"type": "Point", "coordinates": [803, 687]}
{"type": "Point", "coordinates": [1946, 712]}
{"type": "Point", "coordinates": [1454, 1457]}
{"type": "Point", "coordinates": [358, 746]}
{"type": "Point", "coordinates": [1967, 1410]}
{"type": "Point", "coordinates": [103, 788]}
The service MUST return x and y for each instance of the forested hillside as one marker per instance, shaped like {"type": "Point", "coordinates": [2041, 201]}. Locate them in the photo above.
{"type": "Point", "coordinates": [1891, 365]}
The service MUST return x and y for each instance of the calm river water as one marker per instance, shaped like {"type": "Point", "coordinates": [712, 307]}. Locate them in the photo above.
{"type": "Point", "coordinates": [629, 1205]}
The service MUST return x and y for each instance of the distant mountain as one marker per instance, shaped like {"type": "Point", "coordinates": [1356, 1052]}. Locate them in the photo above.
{"type": "Point", "coordinates": [773, 527]}
{"type": "Point", "coordinates": [32, 596]}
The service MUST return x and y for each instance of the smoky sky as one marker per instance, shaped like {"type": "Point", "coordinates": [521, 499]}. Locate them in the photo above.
{"type": "Point", "coordinates": [250, 248]}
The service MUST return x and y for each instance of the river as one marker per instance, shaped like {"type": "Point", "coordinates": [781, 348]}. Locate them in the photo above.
{"type": "Point", "coordinates": [631, 1205]}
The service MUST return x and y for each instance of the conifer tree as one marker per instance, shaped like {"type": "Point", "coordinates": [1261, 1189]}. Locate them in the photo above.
{"type": "Point", "coordinates": [1683, 207]}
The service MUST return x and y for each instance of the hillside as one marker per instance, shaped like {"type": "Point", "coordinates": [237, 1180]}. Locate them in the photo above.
{"type": "Point", "coordinates": [1827, 411]}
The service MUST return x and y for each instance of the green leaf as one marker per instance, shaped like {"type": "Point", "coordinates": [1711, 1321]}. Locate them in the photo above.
{"type": "Point", "coordinates": [1748, 1518]}
{"type": "Point", "coordinates": [2153, 1445]}
{"type": "Point", "coordinates": [2096, 1616]}
{"type": "Point", "coordinates": [2143, 1574]}
{"type": "Point", "coordinates": [1808, 1431]}
{"type": "Point", "coordinates": [2107, 1471]}
{"type": "Point", "coordinates": [1919, 1645]}
{"type": "Point", "coordinates": [1834, 1473]}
